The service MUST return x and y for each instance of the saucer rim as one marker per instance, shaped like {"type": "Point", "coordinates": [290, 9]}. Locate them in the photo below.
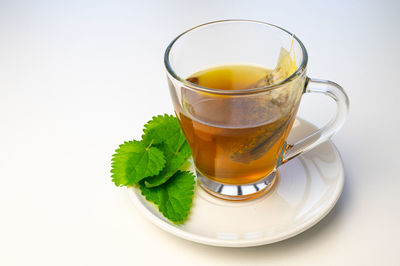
{"type": "Point", "coordinates": [180, 231]}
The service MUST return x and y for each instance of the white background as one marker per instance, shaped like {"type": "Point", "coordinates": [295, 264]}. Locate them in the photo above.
{"type": "Point", "coordinates": [77, 78]}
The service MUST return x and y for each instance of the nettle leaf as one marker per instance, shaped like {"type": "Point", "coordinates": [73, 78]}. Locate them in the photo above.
{"type": "Point", "coordinates": [173, 198]}
{"type": "Point", "coordinates": [174, 162]}
{"type": "Point", "coordinates": [134, 161]}
{"type": "Point", "coordinates": [154, 162]}
{"type": "Point", "coordinates": [163, 129]}
{"type": "Point", "coordinates": [165, 133]}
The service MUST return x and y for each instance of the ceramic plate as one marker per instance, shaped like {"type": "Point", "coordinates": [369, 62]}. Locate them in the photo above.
{"type": "Point", "coordinates": [307, 189]}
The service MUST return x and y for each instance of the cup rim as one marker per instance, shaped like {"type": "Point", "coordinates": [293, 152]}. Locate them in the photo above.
{"type": "Point", "coordinates": [194, 86]}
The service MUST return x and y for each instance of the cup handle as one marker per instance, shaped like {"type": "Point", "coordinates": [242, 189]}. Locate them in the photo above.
{"type": "Point", "coordinates": [319, 136]}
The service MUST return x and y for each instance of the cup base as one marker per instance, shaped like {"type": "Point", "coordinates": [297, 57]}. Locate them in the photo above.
{"type": "Point", "coordinates": [238, 192]}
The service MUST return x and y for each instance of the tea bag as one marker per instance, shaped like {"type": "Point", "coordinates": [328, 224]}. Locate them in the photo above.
{"type": "Point", "coordinates": [284, 68]}
{"type": "Point", "coordinates": [275, 104]}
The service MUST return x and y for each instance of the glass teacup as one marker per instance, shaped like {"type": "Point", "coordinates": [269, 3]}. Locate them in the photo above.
{"type": "Point", "coordinates": [238, 135]}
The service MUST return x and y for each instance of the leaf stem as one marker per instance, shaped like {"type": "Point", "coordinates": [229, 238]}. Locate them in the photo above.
{"type": "Point", "coordinates": [180, 146]}
{"type": "Point", "coordinates": [151, 142]}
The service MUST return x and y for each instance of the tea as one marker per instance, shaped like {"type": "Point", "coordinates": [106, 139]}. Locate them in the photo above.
{"type": "Point", "coordinates": [236, 139]}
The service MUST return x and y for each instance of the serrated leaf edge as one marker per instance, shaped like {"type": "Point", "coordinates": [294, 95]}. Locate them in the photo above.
{"type": "Point", "coordinates": [146, 126]}
{"type": "Point", "coordinates": [113, 161]}
{"type": "Point", "coordinates": [191, 199]}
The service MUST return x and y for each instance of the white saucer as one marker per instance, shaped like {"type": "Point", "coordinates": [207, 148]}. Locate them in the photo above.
{"type": "Point", "coordinates": [307, 190]}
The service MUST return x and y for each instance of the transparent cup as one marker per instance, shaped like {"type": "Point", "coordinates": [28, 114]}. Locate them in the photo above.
{"type": "Point", "coordinates": [238, 137]}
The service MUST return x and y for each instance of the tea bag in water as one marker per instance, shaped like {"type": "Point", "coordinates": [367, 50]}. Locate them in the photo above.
{"type": "Point", "coordinates": [276, 105]}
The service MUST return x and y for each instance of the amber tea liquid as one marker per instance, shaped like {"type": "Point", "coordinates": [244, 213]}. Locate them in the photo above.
{"type": "Point", "coordinates": [235, 139]}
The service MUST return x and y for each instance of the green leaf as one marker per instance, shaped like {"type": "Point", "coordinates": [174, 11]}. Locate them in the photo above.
{"type": "Point", "coordinates": [134, 161]}
{"type": "Point", "coordinates": [174, 162]}
{"type": "Point", "coordinates": [173, 198]}
{"type": "Point", "coordinates": [165, 131]}
{"type": "Point", "coordinates": [155, 162]}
